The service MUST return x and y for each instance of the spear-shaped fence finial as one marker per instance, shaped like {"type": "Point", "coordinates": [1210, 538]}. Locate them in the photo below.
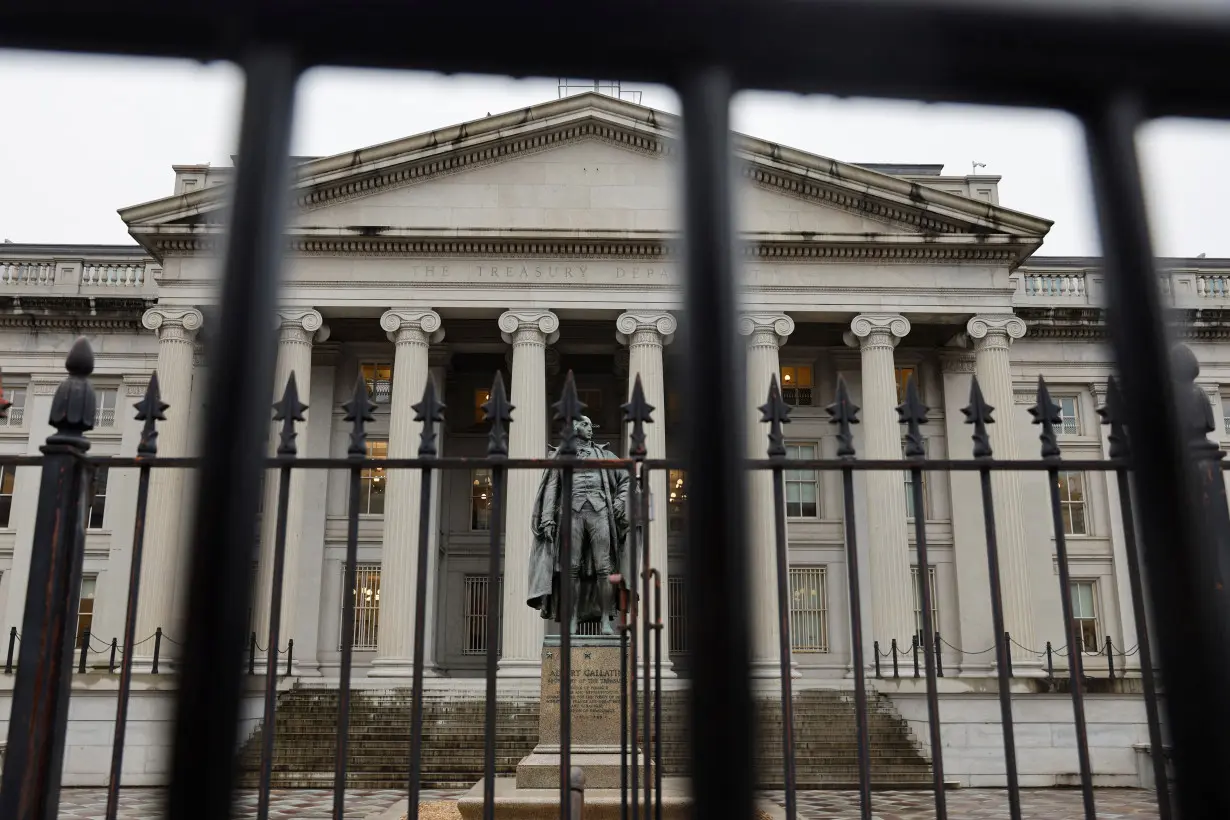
{"type": "Point", "coordinates": [913, 414]}
{"type": "Point", "coordinates": [429, 411]}
{"type": "Point", "coordinates": [1048, 414]}
{"type": "Point", "coordinates": [843, 413]}
{"type": "Point", "coordinates": [151, 410]}
{"type": "Point", "coordinates": [1112, 414]}
{"type": "Point", "coordinates": [288, 411]}
{"type": "Point", "coordinates": [567, 411]}
{"type": "Point", "coordinates": [497, 410]}
{"type": "Point", "coordinates": [638, 413]}
{"type": "Point", "coordinates": [978, 413]}
{"type": "Point", "coordinates": [776, 412]}
{"type": "Point", "coordinates": [359, 412]}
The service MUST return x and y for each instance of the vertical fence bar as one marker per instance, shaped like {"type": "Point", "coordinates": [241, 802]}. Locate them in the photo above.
{"type": "Point", "coordinates": [657, 688]}
{"type": "Point", "coordinates": [844, 413]}
{"type": "Point", "coordinates": [498, 412]}
{"type": "Point", "coordinates": [978, 413]}
{"type": "Point", "coordinates": [1194, 646]}
{"type": "Point", "coordinates": [1120, 448]}
{"type": "Point", "coordinates": [34, 754]}
{"type": "Point", "coordinates": [633, 653]}
{"type": "Point", "coordinates": [913, 413]}
{"type": "Point", "coordinates": [349, 593]}
{"type": "Point", "coordinates": [429, 411]}
{"type": "Point", "coordinates": [647, 628]}
{"type": "Point", "coordinates": [714, 399]}
{"type": "Point", "coordinates": [1046, 413]}
{"type": "Point", "coordinates": [776, 412]}
{"type": "Point", "coordinates": [623, 699]}
{"type": "Point", "coordinates": [237, 426]}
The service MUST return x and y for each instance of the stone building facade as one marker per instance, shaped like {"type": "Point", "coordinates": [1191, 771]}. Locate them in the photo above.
{"type": "Point", "coordinates": [541, 241]}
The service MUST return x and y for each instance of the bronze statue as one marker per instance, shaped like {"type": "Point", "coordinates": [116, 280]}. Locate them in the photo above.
{"type": "Point", "coordinates": [599, 506]}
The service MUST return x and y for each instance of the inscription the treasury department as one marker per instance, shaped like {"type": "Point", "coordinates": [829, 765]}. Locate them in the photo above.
{"type": "Point", "coordinates": [549, 272]}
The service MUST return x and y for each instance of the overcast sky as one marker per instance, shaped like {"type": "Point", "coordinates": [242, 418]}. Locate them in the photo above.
{"type": "Point", "coordinates": [81, 137]}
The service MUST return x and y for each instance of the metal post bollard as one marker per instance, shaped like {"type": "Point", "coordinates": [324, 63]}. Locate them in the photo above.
{"type": "Point", "coordinates": [896, 671]}
{"type": "Point", "coordinates": [576, 791]}
{"type": "Point", "coordinates": [252, 654]}
{"type": "Point", "coordinates": [8, 663]}
{"type": "Point", "coordinates": [85, 647]}
{"type": "Point", "coordinates": [939, 659]}
{"type": "Point", "coordinates": [1110, 658]}
{"type": "Point", "coordinates": [111, 662]}
{"type": "Point", "coordinates": [877, 649]}
{"type": "Point", "coordinates": [153, 670]}
{"type": "Point", "coordinates": [1008, 651]}
{"type": "Point", "coordinates": [914, 650]}
{"type": "Point", "coordinates": [290, 655]}
{"type": "Point", "coordinates": [1050, 662]}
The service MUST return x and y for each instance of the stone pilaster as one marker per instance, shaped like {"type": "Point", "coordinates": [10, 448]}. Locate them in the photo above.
{"type": "Point", "coordinates": [892, 590]}
{"type": "Point", "coordinates": [412, 331]}
{"type": "Point", "coordinates": [992, 336]}
{"type": "Point", "coordinates": [163, 558]}
{"type": "Point", "coordinates": [297, 329]}
{"type": "Point", "coordinates": [529, 332]}
{"type": "Point", "coordinates": [646, 334]}
{"type": "Point", "coordinates": [766, 333]}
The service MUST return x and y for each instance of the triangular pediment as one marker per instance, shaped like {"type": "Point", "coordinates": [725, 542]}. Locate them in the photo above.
{"type": "Point", "coordinates": [595, 166]}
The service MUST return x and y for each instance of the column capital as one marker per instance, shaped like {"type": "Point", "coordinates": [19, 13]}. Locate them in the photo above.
{"type": "Point", "coordinates": [177, 323]}
{"type": "Point", "coordinates": [412, 325]}
{"type": "Point", "coordinates": [995, 330]}
{"type": "Point", "coordinates": [540, 326]}
{"type": "Point", "coordinates": [763, 327]}
{"type": "Point", "coordinates": [645, 327]}
{"type": "Point", "coordinates": [877, 330]}
{"type": "Point", "coordinates": [301, 325]}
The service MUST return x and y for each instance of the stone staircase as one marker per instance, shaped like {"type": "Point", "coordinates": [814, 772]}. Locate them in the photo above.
{"type": "Point", "coordinates": [379, 749]}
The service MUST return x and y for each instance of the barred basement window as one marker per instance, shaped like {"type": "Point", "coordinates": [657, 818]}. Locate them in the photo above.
{"type": "Point", "coordinates": [366, 606]}
{"type": "Point", "coordinates": [677, 615]}
{"type": "Point", "coordinates": [809, 620]}
{"type": "Point", "coordinates": [796, 384]}
{"type": "Point", "coordinates": [474, 614]}
{"type": "Point", "coordinates": [105, 415]}
{"type": "Point", "coordinates": [935, 601]}
{"type": "Point", "coordinates": [378, 376]}
{"type": "Point", "coordinates": [17, 407]}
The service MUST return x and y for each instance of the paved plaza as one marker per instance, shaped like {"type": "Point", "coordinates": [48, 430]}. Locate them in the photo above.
{"type": "Point", "coordinates": [963, 804]}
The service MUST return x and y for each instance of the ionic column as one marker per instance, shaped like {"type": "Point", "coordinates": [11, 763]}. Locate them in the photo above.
{"type": "Point", "coordinates": [992, 336]}
{"type": "Point", "coordinates": [162, 561]}
{"type": "Point", "coordinates": [529, 332]}
{"type": "Point", "coordinates": [411, 331]}
{"type": "Point", "coordinates": [297, 329]}
{"type": "Point", "coordinates": [646, 334]}
{"type": "Point", "coordinates": [766, 333]}
{"type": "Point", "coordinates": [892, 589]}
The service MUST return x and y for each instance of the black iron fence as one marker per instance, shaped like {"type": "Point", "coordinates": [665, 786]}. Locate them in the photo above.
{"type": "Point", "coordinates": [45, 646]}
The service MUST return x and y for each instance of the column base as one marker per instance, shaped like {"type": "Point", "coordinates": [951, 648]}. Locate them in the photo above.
{"type": "Point", "coordinates": [767, 670]}
{"type": "Point", "coordinates": [530, 668]}
{"type": "Point", "coordinates": [400, 668]}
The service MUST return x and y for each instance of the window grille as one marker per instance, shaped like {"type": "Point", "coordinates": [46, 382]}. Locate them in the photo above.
{"type": "Point", "coordinates": [676, 507]}
{"type": "Point", "coordinates": [1069, 414]}
{"type": "Point", "coordinates": [474, 616]}
{"type": "Point", "coordinates": [935, 600]}
{"type": "Point", "coordinates": [480, 499]}
{"type": "Point", "coordinates": [366, 606]}
{"type": "Point", "coordinates": [809, 612]}
{"type": "Point", "coordinates": [677, 614]}
{"type": "Point", "coordinates": [105, 415]}
{"type": "Point", "coordinates": [17, 407]}
{"type": "Point", "coordinates": [797, 384]}
{"type": "Point", "coordinates": [1072, 502]}
{"type": "Point", "coordinates": [379, 379]}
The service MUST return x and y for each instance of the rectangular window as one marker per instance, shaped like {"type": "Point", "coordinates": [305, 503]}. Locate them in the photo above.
{"type": "Point", "coordinates": [98, 500]}
{"type": "Point", "coordinates": [592, 399]}
{"type": "Point", "coordinates": [480, 499]}
{"type": "Point", "coordinates": [105, 416]}
{"type": "Point", "coordinates": [918, 607]}
{"type": "Point", "coordinates": [802, 489]}
{"type": "Point", "coordinates": [1085, 614]}
{"type": "Point", "coordinates": [481, 397]}
{"type": "Point", "coordinates": [17, 407]}
{"type": "Point", "coordinates": [797, 384]}
{"type": "Point", "coordinates": [366, 605]}
{"type": "Point", "coordinates": [677, 614]}
{"type": "Point", "coordinates": [372, 481]}
{"type": "Point", "coordinates": [1072, 502]}
{"type": "Point", "coordinates": [474, 614]}
{"type": "Point", "coordinates": [1069, 414]}
{"type": "Point", "coordinates": [85, 609]}
{"type": "Point", "coordinates": [809, 622]}
{"type": "Point", "coordinates": [378, 376]}
{"type": "Point", "coordinates": [904, 374]}
{"type": "Point", "coordinates": [676, 507]}
{"type": "Point", "coordinates": [909, 488]}
{"type": "Point", "coordinates": [8, 480]}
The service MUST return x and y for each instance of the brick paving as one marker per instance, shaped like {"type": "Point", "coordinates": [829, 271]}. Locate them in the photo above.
{"type": "Point", "coordinates": [975, 804]}
{"type": "Point", "coordinates": [284, 804]}
{"type": "Point", "coordinates": [963, 804]}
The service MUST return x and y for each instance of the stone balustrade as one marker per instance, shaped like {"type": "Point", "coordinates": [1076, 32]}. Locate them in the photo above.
{"type": "Point", "coordinates": [1063, 285]}
{"type": "Point", "coordinates": [78, 276]}
{"type": "Point", "coordinates": [27, 273]}
{"type": "Point", "coordinates": [121, 274]}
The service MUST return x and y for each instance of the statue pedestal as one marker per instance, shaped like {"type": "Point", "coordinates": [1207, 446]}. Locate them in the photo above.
{"type": "Point", "coordinates": [594, 713]}
{"type": "Point", "coordinates": [534, 793]}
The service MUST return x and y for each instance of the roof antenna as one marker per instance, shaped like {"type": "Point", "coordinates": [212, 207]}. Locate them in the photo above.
{"type": "Point", "coordinates": [977, 165]}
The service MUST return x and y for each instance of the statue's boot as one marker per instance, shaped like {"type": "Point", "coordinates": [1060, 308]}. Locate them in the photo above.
{"type": "Point", "coordinates": [606, 599]}
{"type": "Point", "coordinates": [576, 604]}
